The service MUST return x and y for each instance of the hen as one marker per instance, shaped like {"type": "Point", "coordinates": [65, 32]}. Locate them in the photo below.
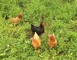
{"type": "Point", "coordinates": [38, 29]}
{"type": "Point", "coordinates": [16, 20]}
{"type": "Point", "coordinates": [52, 41]}
{"type": "Point", "coordinates": [36, 42]}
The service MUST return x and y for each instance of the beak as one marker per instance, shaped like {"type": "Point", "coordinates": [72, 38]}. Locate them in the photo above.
{"type": "Point", "coordinates": [53, 35]}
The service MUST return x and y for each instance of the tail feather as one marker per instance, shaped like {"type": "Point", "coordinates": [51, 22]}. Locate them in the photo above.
{"type": "Point", "coordinates": [6, 17]}
{"type": "Point", "coordinates": [32, 25]}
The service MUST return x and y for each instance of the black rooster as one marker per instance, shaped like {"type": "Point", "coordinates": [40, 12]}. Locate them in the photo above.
{"type": "Point", "coordinates": [38, 29]}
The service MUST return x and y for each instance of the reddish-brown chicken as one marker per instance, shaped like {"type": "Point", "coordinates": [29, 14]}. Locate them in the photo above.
{"type": "Point", "coordinates": [16, 20]}
{"type": "Point", "coordinates": [52, 41]}
{"type": "Point", "coordinates": [36, 42]}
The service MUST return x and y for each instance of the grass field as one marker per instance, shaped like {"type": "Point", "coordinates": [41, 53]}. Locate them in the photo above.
{"type": "Point", "coordinates": [60, 19]}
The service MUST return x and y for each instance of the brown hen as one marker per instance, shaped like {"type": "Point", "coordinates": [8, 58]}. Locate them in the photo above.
{"type": "Point", "coordinates": [36, 42]}
{"type": "Point", "coordinates": [16, 20]}
{"type": "Point", "coordinates": [52, 42]}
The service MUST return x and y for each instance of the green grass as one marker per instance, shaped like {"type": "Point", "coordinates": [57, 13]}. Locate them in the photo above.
{"type": "Point", "coordinates": [60, 19]}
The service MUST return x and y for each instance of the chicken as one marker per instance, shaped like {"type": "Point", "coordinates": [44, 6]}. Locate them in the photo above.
{"type": "Point", "coordinates": [52, 41]}
{"type": "Point", "coordinates": [36, 42]}
{"type": "Point", "coordinates": [16, 20]}
{"type": "Point", "coordinates": [38, 29]}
